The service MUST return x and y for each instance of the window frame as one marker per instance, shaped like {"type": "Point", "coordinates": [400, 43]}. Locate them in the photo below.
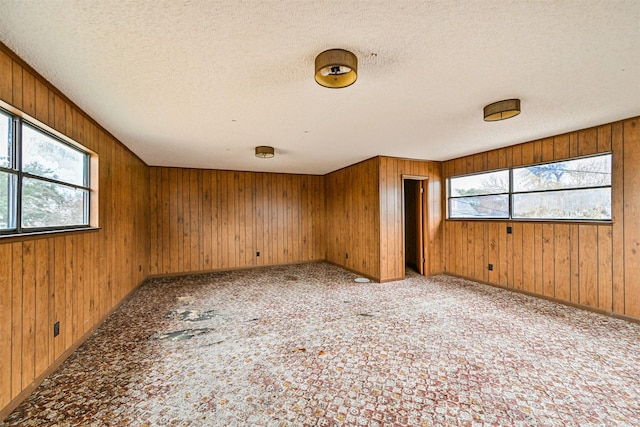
{"type": "Point", "coordinates": [15, 202]}
{"type": "Point", "coordinates": [492, 218]}
{"type": "Point", "coordinates": [512, 193]}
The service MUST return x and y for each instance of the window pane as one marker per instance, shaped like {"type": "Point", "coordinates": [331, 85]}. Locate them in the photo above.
{"type": "Point", "coordinates": [494, 206]}
{"type": "Point", "coordinates": [44, 156]}
{"type": "Point", "coordinates": [484, 183]}
{"type": "Point", "coordinates": [5, 141]}
{"type": "Point", "coordinates": [591, 204]}
{"type": "Point", "coordinates": [7, 204]}
{"type": "Point", "coordinates": [578, 173]}
{"type": "Point", "coordinates": [45, 204]}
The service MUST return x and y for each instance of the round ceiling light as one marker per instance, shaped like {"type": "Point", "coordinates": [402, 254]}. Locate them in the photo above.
{"type": "Point", "coordinates": [502, 110]}
{"type": "Point", "coordinates": [336, 68]}
{"type": "Point", "coordinates": [264, 152]}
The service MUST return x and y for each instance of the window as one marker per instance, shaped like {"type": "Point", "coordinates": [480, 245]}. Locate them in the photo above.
{"type": "Point", "coordinates": [44, 181]}
{"type": "Point", "coordinates": [576, 189]}
{"type": "Point", "coordinates": [483, 195]}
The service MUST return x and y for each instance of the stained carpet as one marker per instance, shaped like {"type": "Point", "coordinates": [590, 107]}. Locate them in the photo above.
{"type": "Point", "coordinates": [307, 346]}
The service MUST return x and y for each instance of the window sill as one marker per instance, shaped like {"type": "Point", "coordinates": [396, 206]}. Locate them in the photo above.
{"type": "Point", "coordinates": [535, 221]}
{"type": "Point", "coordinates": [45, 234]}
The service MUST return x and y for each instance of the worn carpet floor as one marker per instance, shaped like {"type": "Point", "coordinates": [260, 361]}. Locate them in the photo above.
{"type": "Point", "coordinates": [307, 346]}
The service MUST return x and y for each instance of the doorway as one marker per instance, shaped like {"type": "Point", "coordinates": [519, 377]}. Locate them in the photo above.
{"type": "Point", "coordinates": [415, 224]}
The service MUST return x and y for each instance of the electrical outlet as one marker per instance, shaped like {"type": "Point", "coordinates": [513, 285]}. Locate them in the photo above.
{"type": "Point", "coordinates": [258, 253]}
{"type": "Point", "coordinates": [490, 267]}
{"type": "Point", "coordinates": [346, 256]}
{"type": "Point", "coordinates": [509, 230]}
{"type": "Point", "coordinates": [56, 329]}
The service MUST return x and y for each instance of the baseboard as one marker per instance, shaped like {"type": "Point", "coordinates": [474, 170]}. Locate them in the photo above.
{"type": "Point", "coordinates": [218, 270]}
{"type": "Point", "coordinates": [16, 401]}
{"type": "Point", "coordinates": [552, 299]}
{"type": "Point", "coordinates": [359, 273]}
{"type": "Point", "coordinates": [393, 279]}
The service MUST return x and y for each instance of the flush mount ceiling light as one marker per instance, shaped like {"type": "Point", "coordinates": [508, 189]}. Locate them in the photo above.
{"type": "Point", "coordinates": [336, 68]}
{"type": "Point", "coordinates": [264, 152]}
{"type": "Point", "coordinates": [501, 110]}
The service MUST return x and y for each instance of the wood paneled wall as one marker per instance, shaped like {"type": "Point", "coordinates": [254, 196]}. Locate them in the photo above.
{"type": "Point", "coordinates": [391, 217]}
{"type": "Point", "coordinates": [74, 278]}
{"type": "Point", "coordinates": [203, 220]}
{"type": "Point", "coordinates": [365, 216]}
{"type": "Point", "coordinates": [594, 265]}
{"type": "Point", "coordinates": [353, 218]}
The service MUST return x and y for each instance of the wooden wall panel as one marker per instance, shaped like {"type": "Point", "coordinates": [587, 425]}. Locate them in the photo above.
{"type": "Point", "coordinates": [595, 265]}
{"type": "Point", "coordinates": [391, 209]}
{"type": "Point", "coordinates": [562, 264]}
{"type": "Point", "coordinates": [211, 220]}
{"type": "Point", "coordinates": [353, 209]}
{"type": "Point", "coordinates": [6, 257]}
{"type": "Point", "coordinates": [632, 217]}
{"type": "Point", "coordinates": [62, 277]}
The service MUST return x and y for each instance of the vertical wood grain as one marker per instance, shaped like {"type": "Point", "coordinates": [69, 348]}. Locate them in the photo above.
{"type": "Point", "coordinates": [548, 260]}
{"type": "Point", "coordinates": [605, 267]}
{"type": "Point", "coordinates": [617, 212]}
{"type": "Point", "coordinates": [480, 242]}
{"type": "Point", "coordinates": [587, 142]}
{"type": "Point", "coordinates": [28, 313]}
{"type": "Point", "coordinates": [575, 262]}
{"type": "Point", "coordinates": [17, 85]}
{"type": "Point", "coordinates": [528, 257]}
{"type": "Point", "coordinates": [517, 255]}
{"type": "Point", "coordinates": [68, 278]}
{"type": "Point", "coordinates": [494, 252]}
{"type": "Point", "coordinates": [588, 264]}
{"type": "Point", "coordinates": [6, 257]}
{"type": "Point", "coordinates": [17, 335]}
{"type": "Point", "coordinates": [538, 266]}
{"type": "Point", "coordinates": [6, 78]}
{"type": "Point", "coordinates": [561, 147]}
{"type": "Point", "coordinates": [220, 219]}
{"type": "Point", "coordinates": [41, 331]}
{"type": "Point", "coordinates": [562, 264]}
{"type": "Point", "coordinates": [632, 216]}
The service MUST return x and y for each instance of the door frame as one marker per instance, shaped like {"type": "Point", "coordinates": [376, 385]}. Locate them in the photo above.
{"type": "Point", "coordinates": [424, 223]}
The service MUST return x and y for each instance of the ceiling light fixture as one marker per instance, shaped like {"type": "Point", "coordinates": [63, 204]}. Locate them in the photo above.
{"type": "Point", "coordinates": [336, 68]}
{"type": "Point", "coordinates": [501, 110]}
{"type": "Point", "coordinates": [264, 152]}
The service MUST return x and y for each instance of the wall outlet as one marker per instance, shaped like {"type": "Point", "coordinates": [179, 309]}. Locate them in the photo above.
{"type": "Point", "coordinates": [509, 230]}
{"type": "Point", "coordinates": [56, 329]}
{"type": "Point", "coordinates": [346, 256]}
{"type": "Point", "coordinates": [258, 253]}
{"type": "Point", "coordinates": [490, 267]}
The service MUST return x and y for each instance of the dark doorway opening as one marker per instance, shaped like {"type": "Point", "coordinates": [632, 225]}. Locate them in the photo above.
{"type": "Point", "coordinates": [415, 214]}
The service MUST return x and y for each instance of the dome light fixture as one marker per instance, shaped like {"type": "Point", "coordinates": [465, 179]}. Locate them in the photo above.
{"type": "Point", "coordinates": [502, 110]}
{"type": "Point", "coordinates": [336, 68]}
{"type": "Point", "coordinates": [264, 152]}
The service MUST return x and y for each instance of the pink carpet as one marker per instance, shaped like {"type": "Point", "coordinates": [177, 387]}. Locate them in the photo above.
{"type": "Point", "coordinates": [307, 346]}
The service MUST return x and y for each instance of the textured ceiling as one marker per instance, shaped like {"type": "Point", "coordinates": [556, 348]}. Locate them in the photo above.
{"type": "Point", "coordinates": [201, 83]}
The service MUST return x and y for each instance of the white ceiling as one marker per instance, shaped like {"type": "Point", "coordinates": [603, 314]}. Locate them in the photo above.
{"type": "Point", "coordinates": [201, 83]}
